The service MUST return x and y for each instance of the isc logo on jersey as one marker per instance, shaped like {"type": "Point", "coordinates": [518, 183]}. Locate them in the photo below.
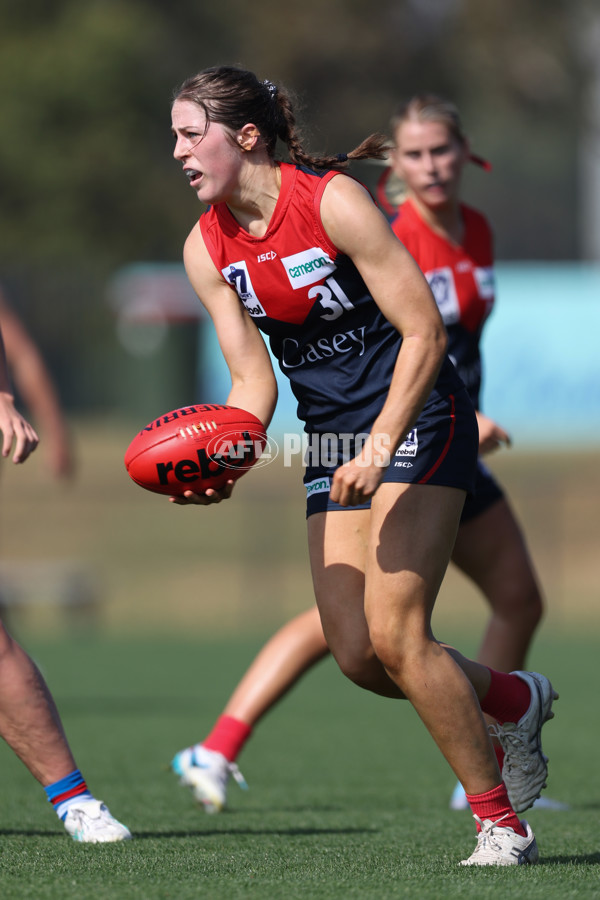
{"type": "Point", "coordinates": [238, 276]}
{"type": "Point", "coordinates": [308, 267]}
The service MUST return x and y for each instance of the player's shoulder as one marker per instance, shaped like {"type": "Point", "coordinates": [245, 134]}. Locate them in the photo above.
{"type": "Point", "coordinates": [199, 261]}
{"type": "Point", "coordinates": [406, 223]}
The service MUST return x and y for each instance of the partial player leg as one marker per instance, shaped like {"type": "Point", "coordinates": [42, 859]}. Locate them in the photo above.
{"type": "Point", "coordinates": [295, 648]}
{"type": "Point", "coordinates": [402, 560]}
{"type": "Point", "coordinates": [406, 562]}
{"type": "Point", "coordinates": [490, 549]}
{"type": "Point", "coordinates": [31, 726]}
{"type": "Point", "coordinates": [337, 544]}
{"type": "Point", "coordinates": [206, 767]}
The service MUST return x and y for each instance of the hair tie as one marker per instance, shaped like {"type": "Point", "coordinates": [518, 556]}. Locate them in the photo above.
{"type": "Point", "coordinates": [480, 161]}
{"type": "Point", "coordinates": [342, 157]}
{"type": "Point", "coordinates": [272, 88]}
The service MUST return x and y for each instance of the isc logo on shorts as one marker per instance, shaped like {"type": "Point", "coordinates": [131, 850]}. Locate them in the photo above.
{"type": "Point", "coordinates": [318, 486]}
{"type": "Point", "coordinates": [410, 445]}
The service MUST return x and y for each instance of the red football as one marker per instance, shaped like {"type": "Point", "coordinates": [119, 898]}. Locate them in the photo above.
{"type": "Point", "coordinates": [195, 448]}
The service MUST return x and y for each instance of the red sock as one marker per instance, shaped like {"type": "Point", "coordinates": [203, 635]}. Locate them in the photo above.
{"type": "Point", "coordinates": [228, 737]}
{"type": "Point", "coordinates": [507, 699]}
{"type": "Point", "coordinates": [493, 805]}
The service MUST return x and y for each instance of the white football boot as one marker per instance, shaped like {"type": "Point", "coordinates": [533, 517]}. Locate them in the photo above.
{"type": "Point", "coordinates": [206, 772]}
{"type": "Point", "coordinates": [501, 846]}
{"type": "Point", "coordinates": [91, 823]}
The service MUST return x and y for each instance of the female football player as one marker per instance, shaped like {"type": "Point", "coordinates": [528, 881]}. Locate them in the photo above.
{"type": "Point", "coordinates": [353, 324]}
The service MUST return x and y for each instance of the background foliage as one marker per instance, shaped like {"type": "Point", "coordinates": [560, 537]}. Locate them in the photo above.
{"type": "Point", "coordinates": [88, 183]}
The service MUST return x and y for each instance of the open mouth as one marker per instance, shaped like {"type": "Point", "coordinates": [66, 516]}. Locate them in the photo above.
{"type": "Point", "coordinates": [192, 175]}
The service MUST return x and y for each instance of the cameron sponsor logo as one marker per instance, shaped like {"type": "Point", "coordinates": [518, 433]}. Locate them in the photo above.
{"type": "Point", "coordinates": [294, 354]}
{"type": "Point", "coordinates": [318, 486]}
{"type": "Point", "coordinates": [308, 267]}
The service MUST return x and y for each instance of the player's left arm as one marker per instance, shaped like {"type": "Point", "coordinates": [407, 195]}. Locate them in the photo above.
{"type": "Point", "coordinates": [358, 229]}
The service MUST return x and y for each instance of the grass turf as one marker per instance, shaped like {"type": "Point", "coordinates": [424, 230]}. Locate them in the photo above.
{"type": "Point", "coordinates": [348, 796]}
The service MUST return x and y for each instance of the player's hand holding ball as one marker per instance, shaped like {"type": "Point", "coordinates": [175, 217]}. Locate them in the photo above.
{"type": "Point", "coordinates": [195, 454]}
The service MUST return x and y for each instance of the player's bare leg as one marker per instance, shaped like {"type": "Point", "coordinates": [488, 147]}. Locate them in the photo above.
{"type": "Point", "coordinates": [405, 561]}
{"type": "Point", "coordinates": [31, 726]}
{"type": "Point", "coordinates": [295, 647]}
{"type": "Point", "coordinates": [490, 549]}
{"type": "Point", "coordinates": [29, 721]}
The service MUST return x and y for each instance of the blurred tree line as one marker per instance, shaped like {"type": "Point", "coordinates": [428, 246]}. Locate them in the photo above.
{"type": "Point", "coordinates": [87, 178]}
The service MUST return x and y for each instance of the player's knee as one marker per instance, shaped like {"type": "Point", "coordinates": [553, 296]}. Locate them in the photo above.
{"type": "Point", "coordinates": [520, 603]}
{"type": "Point", "coordinates": [358, 665]}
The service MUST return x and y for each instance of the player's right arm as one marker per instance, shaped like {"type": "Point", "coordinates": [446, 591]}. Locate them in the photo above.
{"type": "Point", "coordinates": [15, 429]}
{"type": "Point", "coordinates": [37, 390]}
{"type": "Point", "coordinates": [253, 382]}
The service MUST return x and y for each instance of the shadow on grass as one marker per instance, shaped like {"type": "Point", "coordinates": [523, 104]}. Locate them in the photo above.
{"type": "Point", "coordinates": [258, 832]}
{"type": "Point", "coordinates": [30, 832]}
{"type": "Point", "coordinates": [216, 832]}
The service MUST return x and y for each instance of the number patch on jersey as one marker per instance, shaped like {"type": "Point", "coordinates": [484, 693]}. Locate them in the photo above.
{"type": "Point", "coordinates": [238, 277]}
{"type": "Point", "coordinates": [441, 282]}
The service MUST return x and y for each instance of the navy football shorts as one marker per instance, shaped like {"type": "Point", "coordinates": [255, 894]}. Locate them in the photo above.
{"type": "Point", "coordinates": [441, 449]}
{"type": "Point", "coordinates": [487, 492]}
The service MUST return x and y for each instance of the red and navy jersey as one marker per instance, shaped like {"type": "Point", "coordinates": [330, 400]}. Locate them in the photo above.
{"type": "Point", "coordinates": [324, 328]}
{"type": "Point", "coordinates": [461, 278]}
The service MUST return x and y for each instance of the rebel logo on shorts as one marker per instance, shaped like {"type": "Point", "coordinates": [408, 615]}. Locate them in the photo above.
{"type": "Point", "coordinates": [409, 446]}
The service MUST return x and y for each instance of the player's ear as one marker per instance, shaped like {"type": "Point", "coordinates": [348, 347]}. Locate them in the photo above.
{"type": "Point", "coordinates": [248, 136]}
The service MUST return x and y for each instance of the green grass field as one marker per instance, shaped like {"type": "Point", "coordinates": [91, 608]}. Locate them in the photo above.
{"type": "Point", "coordinates": [348, 796]}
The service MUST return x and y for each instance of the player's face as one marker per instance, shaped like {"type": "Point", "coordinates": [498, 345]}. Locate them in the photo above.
{"type": "Point", "coordinates": [210, 159]}
{"type": "Point", "coordinates": [430, 160]}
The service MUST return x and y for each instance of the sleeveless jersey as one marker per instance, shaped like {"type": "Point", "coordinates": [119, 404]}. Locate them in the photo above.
{"type": "Point", "coordinates": [461, 279]}
{"type": "Point", "coordinates": [324, 328]}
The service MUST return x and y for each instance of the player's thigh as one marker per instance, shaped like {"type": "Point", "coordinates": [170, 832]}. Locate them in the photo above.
{"type": "Point", "coordinates": [337, 542]}
{"type": "Point", "coordinates": [413, 529]}
{"type": "Point", "coordinates": [491, 550]}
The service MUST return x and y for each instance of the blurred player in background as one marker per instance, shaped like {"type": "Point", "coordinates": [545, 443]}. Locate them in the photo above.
{"type": "Point", "coordinates": [36, 389]}
{"type": "Point", "coordinates": [353, 324]}
{"type": "Point", "coordinates": [452, 245]}
{"type": "Point", "coordinates": [29, 721]}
